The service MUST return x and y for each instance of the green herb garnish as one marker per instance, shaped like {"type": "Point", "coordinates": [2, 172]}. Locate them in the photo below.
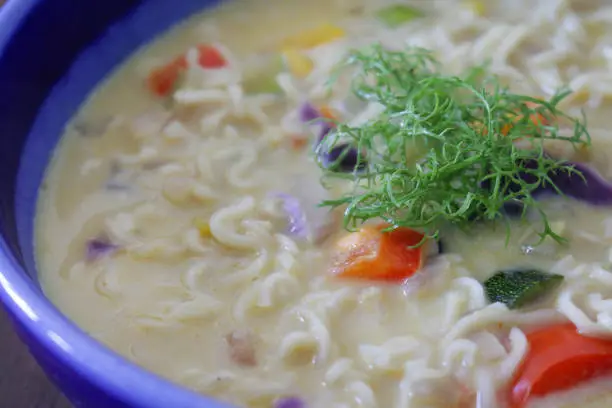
{"type": "Point", "coordinates": [521, 287]}
{"type": "Point", "coordinates": [465, 132]}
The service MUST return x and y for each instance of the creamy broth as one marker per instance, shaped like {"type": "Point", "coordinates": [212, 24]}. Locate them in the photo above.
{"type": "Point", "coordinates": [196, 276]}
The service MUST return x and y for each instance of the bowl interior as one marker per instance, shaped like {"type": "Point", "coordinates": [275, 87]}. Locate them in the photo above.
{"type": "Point", "coordinates": [143, 21]}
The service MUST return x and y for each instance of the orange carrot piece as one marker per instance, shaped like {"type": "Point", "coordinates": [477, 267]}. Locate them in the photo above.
{"type": "Point", "coordinates": [559, 358]}
{"type": "Point", "coordinates": [298, 142]}
{"type": "Point", "coordinates": [162, 80]}
{"type": "Point", "coordinates": [372, 254]}
{"type": "Point", "coordinates": [328, 113]}
{"type": "Point", "coordinates": [536, 118]}
{"type": "Point", "coordinates": [210, 57]}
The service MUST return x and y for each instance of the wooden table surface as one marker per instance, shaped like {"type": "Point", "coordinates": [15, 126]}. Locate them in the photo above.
{"type": "Point", "coordinates": [22, 383]}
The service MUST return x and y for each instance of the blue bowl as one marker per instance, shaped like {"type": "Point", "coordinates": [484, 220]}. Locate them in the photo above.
{"type": "Point", "coordinates": [52, 54]}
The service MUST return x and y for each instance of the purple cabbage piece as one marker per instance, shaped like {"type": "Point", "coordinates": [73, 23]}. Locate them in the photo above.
{"type": "Point", "coordinates": [297, 218]}
{"type": "Point", "coordinates": [589, 186]}
{"type": "Point", "coordinates": [348, 154]}
{"type": "Point", "coordinates": [99, 247]}
{"type": "Point", "coordinates": [342, 158]}
{"type": "Point", "coordinates": [310, 114]}
{"type": "Point", "coordinates": [513, 209]}
{"type": "Point", "coordinates": [326, 129]}
{"type": "Point", "coordinates": [289, 402]}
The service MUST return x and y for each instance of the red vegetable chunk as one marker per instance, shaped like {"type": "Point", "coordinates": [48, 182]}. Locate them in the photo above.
{"type": "Point", "coordinates": [162, 80]}
{"type": "Point", "coordinates": [559, 358]}
{"type": "Point", "coordinates": [373, 254]}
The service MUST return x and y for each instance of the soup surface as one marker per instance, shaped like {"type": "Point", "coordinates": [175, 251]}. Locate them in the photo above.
{"type": "Point", "coordinates": [179, 220]}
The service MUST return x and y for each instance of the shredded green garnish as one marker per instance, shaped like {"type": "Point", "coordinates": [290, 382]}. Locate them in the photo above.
{"type": "Point", "coordinates": [464, 132]}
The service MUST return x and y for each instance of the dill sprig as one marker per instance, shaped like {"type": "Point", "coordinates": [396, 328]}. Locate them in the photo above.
{"type": "Point", "coordinates": [444, 149]}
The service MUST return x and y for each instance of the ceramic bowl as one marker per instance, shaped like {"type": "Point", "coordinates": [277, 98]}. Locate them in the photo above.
{"type": "Point", "coordinates": [52, 54]}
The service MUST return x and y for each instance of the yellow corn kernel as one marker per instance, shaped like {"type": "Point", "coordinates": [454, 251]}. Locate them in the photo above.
{"type": "Point", "coordinates": [320, 35]}
{"type": "Point", "coordinates": [203, 226]}
{"type": "Point", "coordinates": [477, 7]}
{"type": "Point", "coordinates": [299, 64]}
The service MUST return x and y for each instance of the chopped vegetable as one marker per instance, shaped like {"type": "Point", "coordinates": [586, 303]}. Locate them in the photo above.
{"type": "Point", "coordinates": [559, 358]}
{"type": "Point", "coordinates": [531, 110]}
{"type": "Point", "coordinates": [203, 227]}
{"type": "Point", "coordinates": [535, 113]}
{"type": "Point", "coordinates": [328, 113]}
{"type": "Point", "coordinates": [162, 80]}
{"type": "Point", "coordinates": [96, 248]}
{"type": "Point", "coordinates": [310, 114]}
{"type": "Point", "coordinates": [576, 180]}
{"type": "Point", "coordinates": [306, 219]}
{"type": "Point", "coordinates": [520, 287]}
{"type": "Point", "coordinates": [298, 142]}
{"type": "Point", "coordinates": [398, 14]}
{"type": "Point", "coordinates": [299, 64]}
{"type": "Point", "coordinates": [262, 79]}
{"type": "Point", "coordinates": [477, 7]}
{"type": "Point", "coordinates": [210, 57]}
{"type": "Point", "coordinates": [437, 248]}
{"type": "Point", "coordinates": [579, 181]}
{"type": "Point", "coordinates": [513, 208]}
{"type": "Point", "coordinates": [320, 35]}
{"type": "Point", "coordinates": [297, 224]}
{"type": "Point", "coordinates": [342, 158]}
{"type": "Point", "coordinates": [241, 346]}
{"type": "Point", "coordinates": [289, 402]}
{"type": "Point", "coordinates": [262, 85]}
{"type": "Point", "coordinates": [373, 253]}
{"type": "Point", "coordinates": [463, 175]}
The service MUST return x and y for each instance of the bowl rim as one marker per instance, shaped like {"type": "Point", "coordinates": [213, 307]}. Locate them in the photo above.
{"type": "Point", "coordinates": [56, 334]}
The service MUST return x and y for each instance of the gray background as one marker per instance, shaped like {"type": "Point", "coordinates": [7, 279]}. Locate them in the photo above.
{"type": "Point", "coordinates": [22, 383]}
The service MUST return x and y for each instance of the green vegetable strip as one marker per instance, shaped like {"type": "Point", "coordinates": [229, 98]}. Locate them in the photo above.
{"type": "Point", "coordinates": [458, 125]}
{"type": "Point", "coordinates": [263, 79]}
{"type": "Point", "coordinates": [398, 14]}
{"type": "Point", "coordinates": [520, 288]}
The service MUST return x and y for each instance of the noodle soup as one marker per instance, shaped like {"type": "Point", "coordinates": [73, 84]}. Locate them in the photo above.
{"type": "Point", "coordinates": [180, 223]}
